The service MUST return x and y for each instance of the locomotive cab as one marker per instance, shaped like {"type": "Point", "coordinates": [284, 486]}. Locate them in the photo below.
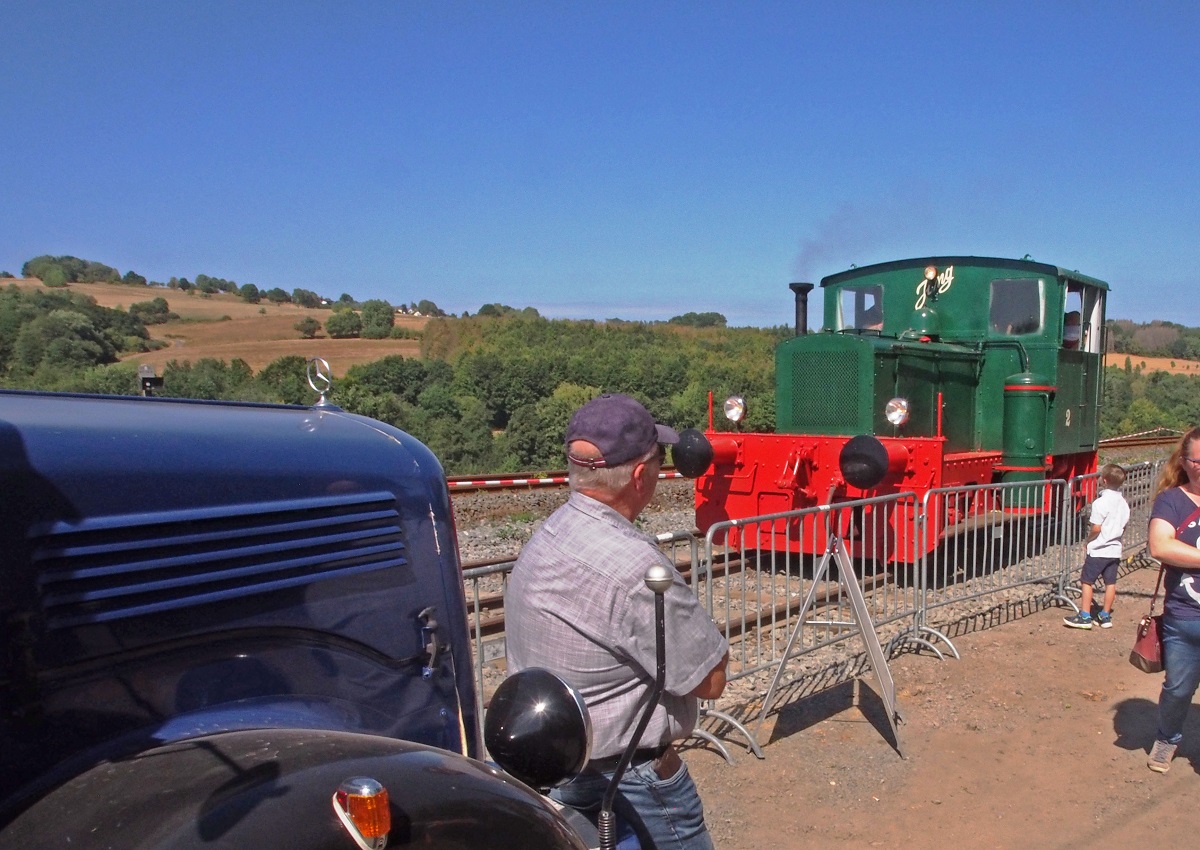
{"type": "Point", "coordinates": [926, 373]}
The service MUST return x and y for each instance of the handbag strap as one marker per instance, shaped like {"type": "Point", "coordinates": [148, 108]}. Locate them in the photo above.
{"type": "Point", "coordinates": [1157, 585]}
{"type": "Point", "coordinates": [1192, 516]}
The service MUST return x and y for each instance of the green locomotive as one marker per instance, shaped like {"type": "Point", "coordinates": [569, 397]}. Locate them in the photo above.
{"type": "Point", "coordinates": [926, 373]}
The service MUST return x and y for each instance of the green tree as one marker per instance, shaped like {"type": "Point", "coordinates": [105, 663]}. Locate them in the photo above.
{"type": "Point", "coordinates": [65, 339]}
{"type": "Point", "coordinates": [507, 380]}
{"type": "Point", "coordinates": [208, 378]}
{"type": "Point", "coordinates": [1141, 416]}
{"type": "Point", "coordinates": [153, 312]}
{"type": "Point", "coordinates": [378, 317]}
{"type": "Point", "coordinates": [400, 376]}
{"type": "Point", "coordinates": [249, 293]}
{"type": "Point", "coordinates": [343, 324]}
{"type": "Point", "coordinates": [455, 428]}
{"type": "Point", "coordinates": [286, 380]}
{"type": "Point", "coordinates": [1118, 395]}
{"type": "Point", "coordinates": [534, 438]}
{"type": "Point", "coordinates": [308, 327]}
{"type": "Point", "coordinates": [52, 276]}
{"type": "Point", "coordinates": [499, 311]}
{"type": "Point", "coordinates": [386, 407]}
{"type": "Point", "coordinates": [67, 269]}
{"type": "Point", "coordinates": [115, 379]}
{"type": "Point", "coordinates": [700, 320]}
{"type": "Point", "coordinates": [306, 298]}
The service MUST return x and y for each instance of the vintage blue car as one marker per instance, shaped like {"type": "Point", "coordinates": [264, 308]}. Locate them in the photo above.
{"type": "Point", "coordinates": [236, 625]}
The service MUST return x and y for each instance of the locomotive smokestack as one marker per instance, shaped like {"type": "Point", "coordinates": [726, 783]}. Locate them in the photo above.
{"type": "Point", "coordinates": [801, 290]}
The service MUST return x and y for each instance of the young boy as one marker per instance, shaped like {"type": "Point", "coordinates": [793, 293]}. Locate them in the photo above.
{"type": "Point", "coordinates": [1110, 513]}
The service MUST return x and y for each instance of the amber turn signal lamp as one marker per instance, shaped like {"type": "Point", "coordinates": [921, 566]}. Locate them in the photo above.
{"type": "Point", "coordinates": [361, 804]}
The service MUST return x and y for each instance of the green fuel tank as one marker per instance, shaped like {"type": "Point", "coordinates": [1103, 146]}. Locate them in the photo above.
{"type": "Point", "coordinates": [1027, 400]}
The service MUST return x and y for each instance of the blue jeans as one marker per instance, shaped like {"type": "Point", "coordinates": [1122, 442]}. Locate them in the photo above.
{"type": "Point", "coordinates": [1181, 657]}
{"type": "Point", "coordinates": [668, 811]}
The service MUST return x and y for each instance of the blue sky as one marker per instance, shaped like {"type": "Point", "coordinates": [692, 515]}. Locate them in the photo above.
{"type": "Point", "coordinates": [602, 159]}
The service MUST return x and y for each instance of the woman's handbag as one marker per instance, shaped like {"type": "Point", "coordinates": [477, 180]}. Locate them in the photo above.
{"type": "Point", "coordinates": [1146, 654]}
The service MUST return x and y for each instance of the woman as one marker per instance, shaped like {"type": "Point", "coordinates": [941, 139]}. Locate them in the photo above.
{"type": "Point", "coordinates": [1174, 536]}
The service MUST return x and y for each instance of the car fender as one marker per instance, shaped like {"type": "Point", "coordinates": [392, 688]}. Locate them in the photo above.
{"type": "Point", "coordinates": [274, 788]}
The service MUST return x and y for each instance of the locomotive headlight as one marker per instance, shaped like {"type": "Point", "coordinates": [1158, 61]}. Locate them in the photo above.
{"type": "Point", "coordinates": [896, 411]}
{"type": "Point", "coordinates": [931, 272]}
{"type": "Point", "coordinates": [735, 408]}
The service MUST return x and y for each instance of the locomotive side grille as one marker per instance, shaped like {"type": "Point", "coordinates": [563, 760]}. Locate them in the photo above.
{"type": "Point", "coordinates": [826, 391]}
{"type": "Point", "coordinates": [125, 566]}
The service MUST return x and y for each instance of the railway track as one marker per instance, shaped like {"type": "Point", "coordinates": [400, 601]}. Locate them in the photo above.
{"type": "Point", "coordinates": [1159, 438]}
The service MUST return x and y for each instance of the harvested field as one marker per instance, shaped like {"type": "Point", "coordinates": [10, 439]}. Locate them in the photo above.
{"type": "Point", "coordinates": [225, 327]}
{"type": "Point", "coordinates": [341, 354]}
{"type": "Point", "coordinates": [1154, 364]}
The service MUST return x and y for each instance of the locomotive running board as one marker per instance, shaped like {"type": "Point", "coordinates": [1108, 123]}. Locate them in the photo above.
{"type": "Point", "coordinates": [848, 580]}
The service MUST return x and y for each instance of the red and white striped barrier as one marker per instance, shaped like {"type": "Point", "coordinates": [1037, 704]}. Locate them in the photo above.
{"type": "Point", "coordinates": [502, 483]}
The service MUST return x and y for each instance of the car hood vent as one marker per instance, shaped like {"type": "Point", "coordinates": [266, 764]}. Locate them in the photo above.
{"type": "Point", "coordinates": [112, 568]}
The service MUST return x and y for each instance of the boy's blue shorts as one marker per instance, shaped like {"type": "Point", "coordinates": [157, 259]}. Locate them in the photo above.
{"type": "Point", "coordinates": [1094, 567]}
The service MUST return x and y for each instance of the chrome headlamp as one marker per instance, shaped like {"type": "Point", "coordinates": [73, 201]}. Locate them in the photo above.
{"type": "Point", "coordinates": [896, 411]}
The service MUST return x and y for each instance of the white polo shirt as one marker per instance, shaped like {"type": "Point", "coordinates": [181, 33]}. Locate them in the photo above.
{"type": "Point", "coordinates": [1110, 511]}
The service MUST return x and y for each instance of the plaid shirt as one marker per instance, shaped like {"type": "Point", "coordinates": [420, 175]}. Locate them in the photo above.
{"type": "Point", "coordinates": [577, 605]}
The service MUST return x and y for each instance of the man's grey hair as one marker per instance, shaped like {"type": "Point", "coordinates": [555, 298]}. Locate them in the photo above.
{"type": "Point", "coordinates": [607, 479]}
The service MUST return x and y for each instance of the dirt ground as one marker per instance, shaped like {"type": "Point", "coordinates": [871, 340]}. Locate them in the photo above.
{"type": "Point", "coordinates": [1036, 737]}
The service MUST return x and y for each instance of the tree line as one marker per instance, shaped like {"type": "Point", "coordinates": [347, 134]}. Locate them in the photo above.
{"type": "Point", "coordinates": [60, 271]}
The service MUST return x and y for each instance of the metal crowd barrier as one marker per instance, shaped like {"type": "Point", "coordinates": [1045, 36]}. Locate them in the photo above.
{"type": "Point", "coordinates": [757, 625]}
{"type": "Point", "coordinates": [881, 569]}
{"type": "Point", "coordinates": [983, 540]}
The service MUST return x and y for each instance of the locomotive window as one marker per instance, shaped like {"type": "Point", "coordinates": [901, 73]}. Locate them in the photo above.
{"type": "Point", "coordinates": [861, 307]}
{"type": "Point", "coordinates": [1016, 306]}
{"type": "Point", "coordinates": [1082, 308]}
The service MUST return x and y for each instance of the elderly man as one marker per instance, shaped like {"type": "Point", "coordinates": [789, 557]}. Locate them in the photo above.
{"type": "Point", "coordinates": [577, 605]}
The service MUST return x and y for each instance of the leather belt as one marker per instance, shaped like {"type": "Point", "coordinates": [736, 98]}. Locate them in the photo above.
{"type": "Point", "coordinates": [640, 756]}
